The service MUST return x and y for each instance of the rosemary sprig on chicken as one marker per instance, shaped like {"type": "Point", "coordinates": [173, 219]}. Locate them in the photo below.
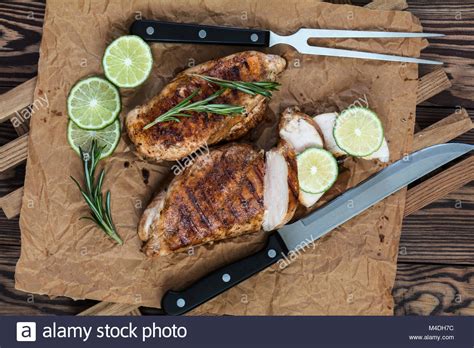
{"type": "Point", "coordinates": [264, 88]}
{"type": "Point", "coordinates": [253, 88]}
{"type": "Point", "coordinates": [204, 105]}
{"type": "Point", "coordinates": [100, 212]}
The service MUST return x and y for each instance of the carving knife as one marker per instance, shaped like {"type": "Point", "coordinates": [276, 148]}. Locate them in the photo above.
{"type": "Point", "coordinates": [159, 31]}
{"type": "Point", "coordinates": [296, 237]}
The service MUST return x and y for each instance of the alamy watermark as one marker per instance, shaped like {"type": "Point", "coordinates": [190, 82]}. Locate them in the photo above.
{"type": "Point", "coordinates": [26, 113]}
{"type": "Point", "coordinates": [187, 161]}
{"type": "Point", "coordinates": [296, 253]}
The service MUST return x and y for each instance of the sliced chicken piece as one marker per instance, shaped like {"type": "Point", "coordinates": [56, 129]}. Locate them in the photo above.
{"type": "Point", "coordinates": [326, 124]}
{"type": "Point", "coordinates": [309, 199]}
{"type": "Point", "coordinates": [382, 154]}
{"type": "Point", "coordinates": [175, 140]}
{"type": "Point", "coordinates": [219, 196]}
{"type": "Point", "coordinates": [299, 130]}
{"type": "Point", "coordinates": [293, 183]}
{"type": "Point", "coordinates": [280, 187]}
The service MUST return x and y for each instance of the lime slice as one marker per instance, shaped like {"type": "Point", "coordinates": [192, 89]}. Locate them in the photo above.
{"type": "Point", "coordinates": [107, 138]}
{"type": "Point", "coordinates": [93, 103]}
{"type": "Point", "coordinates": [317, 170]}
{"type": "Point", "coordinates": [358, 131]}
{"type": "Point", "coordinates": [128, 61]}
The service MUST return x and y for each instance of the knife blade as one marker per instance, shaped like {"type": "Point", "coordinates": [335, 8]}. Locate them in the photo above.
{"type": "Point", "coordinates": [297, 236]}
{"type": "Point", "coordinates": [159, 31]}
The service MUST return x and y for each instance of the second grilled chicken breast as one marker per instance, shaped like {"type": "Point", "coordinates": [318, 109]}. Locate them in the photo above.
{"type": "Point", "coordinates": [175, 140]}
{"type": "Point", "coordinates": [219, 196]}
{"type": "Point", "coordinates": [226, 193]}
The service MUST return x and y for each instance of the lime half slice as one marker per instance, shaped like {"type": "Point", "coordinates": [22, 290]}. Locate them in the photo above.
{"type": "Point", "coordinates": [106, 138]}
{"type": "Point", "coordinates": [128, 61]}
{"type": "Point", "coordinates": [93, 103]}
{"type": "Point", "coordinates": [358, 131]}
{"type": "Point", "coordinates": [317, 170]}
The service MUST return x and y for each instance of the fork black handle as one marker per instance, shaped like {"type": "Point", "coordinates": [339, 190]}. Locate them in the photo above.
{"type": "Point", "coordinates": [158, 31]}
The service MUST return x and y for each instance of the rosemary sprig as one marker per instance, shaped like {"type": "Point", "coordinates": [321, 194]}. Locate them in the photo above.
{"type": "Point", "coordinates": [260, 87]}
{"type": "Point", "coordinates": [99, 210]}
{"type": "Point", "coordinates": [204, 105]}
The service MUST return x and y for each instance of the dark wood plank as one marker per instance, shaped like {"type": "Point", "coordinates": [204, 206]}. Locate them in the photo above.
{"type": "Point", "coordinates": [18, 302]}
{"type": "Point", "coordinates": [441, 232]}
{"type": "Point", "coordinates": [434, 290]}
{"type": "Point", "coordinates": [427, 115]}
{"type": "Point", "coordinates": [7, 133]}
{"type": "Point", "coordinates": [20, 35]}
{"type": "Point", "coordinates": [455, 18]}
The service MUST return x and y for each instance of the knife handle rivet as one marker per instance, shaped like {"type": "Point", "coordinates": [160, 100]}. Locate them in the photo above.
{"type": "Point", "coordinates": [226, 277]}
{"type": "Point", "coordinates": [150, 30]}
{"type": "Point", "coordinates": [202, 33]}
{"type": "Point", "coordinates": [180, 302]}
{"type": "Point", "coordinates": [271, 253]}
{"type": "Point", "coordinates": [254, 37]}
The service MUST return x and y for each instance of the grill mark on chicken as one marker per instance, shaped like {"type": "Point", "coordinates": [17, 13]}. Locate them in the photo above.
{"type": "Point", "coordinates": [213, 210]}
{"type": "Point", "coordinates": [187, 222]}
{"type": "Point", "coordinates": [252, 186]}
{"type": "Point", "coordinates": [197, 207]}
{"type": "Point", "coordinates": [244, 178]}
{"type": "Point", "coordinates": [258, 172]}
{"type": "Point", "coordinates": [290, 157]}
{"type": "Point", "coordinates": [225, 177]}
{"type": "Point", "coordinates": [292, 184]}
{"type": "Point", "coordinates": [260, 179]}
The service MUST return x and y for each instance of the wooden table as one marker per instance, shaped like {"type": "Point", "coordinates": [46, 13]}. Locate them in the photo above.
{"type": "Point", "coordinates": [436, 259]}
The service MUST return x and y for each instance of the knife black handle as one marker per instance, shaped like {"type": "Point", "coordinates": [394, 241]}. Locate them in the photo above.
{"type": "Point", "coordinates": [158, 31]}
{"type": "Point", "coordinates": [208, 287]}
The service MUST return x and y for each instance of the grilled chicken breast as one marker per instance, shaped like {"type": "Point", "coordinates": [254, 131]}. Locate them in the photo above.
{"type": "Point", "coordinates": [175, 140]}
{"type": "Point", "coordinates": [219, 196]}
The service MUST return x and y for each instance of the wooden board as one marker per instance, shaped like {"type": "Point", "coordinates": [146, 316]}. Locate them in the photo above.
{"type": "Point", "coordinates": [434, 235]}
{"type": "Point", "coordinates": [21, 25]}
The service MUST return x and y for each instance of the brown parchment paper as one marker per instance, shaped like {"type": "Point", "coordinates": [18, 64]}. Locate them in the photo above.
{"type": "Point", "coordinates": [351, 271]}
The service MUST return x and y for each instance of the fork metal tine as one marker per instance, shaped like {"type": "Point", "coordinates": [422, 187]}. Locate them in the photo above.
{"type": "Point", "coordinates": [299, 41]}
{"type": "Point", "coordinates": [359, 34]}
{"type": "Point", "coordinates": [335, 52]}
